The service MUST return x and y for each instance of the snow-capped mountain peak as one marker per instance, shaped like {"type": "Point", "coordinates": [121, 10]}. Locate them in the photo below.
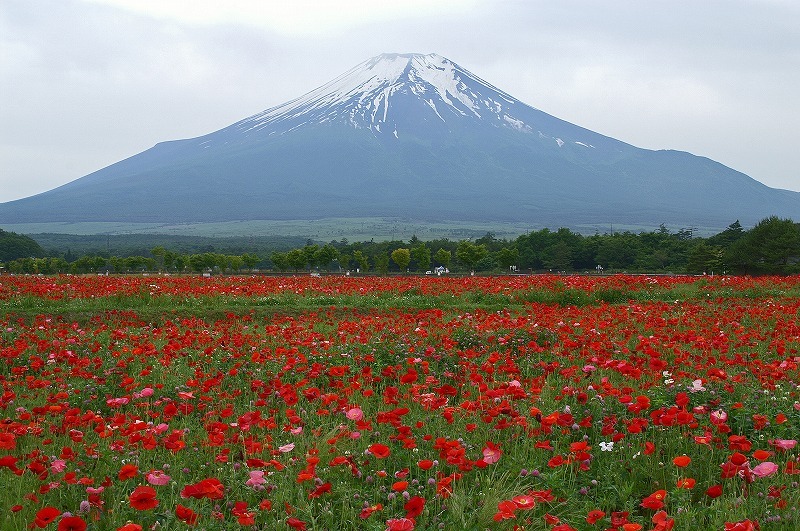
{"type": "Point", "coordinates": [413, 137]}
{"type": "Point", "coordinates": [394, 92]}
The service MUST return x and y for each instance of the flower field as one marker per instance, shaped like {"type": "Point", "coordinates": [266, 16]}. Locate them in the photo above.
{"type": "Point", "coordinates": [325, 403]}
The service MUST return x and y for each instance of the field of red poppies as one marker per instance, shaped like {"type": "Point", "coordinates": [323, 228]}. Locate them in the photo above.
{"type": "Point", "coordinates": [530, 402]}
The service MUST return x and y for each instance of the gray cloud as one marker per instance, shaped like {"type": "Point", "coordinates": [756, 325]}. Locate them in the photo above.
{"type": "Point", "coordinates": [85, 85]}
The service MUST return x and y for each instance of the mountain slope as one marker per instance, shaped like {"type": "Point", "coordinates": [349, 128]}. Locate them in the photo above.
{"type": "Point", "coordinates": [413, 136]}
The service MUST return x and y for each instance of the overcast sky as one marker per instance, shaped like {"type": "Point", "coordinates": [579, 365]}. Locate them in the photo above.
{"type": "Point", "coordinates": [86, 83]}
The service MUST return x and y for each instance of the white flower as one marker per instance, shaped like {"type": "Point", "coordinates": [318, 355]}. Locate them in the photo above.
{"type": "Point", "coordinates": [606, 446]}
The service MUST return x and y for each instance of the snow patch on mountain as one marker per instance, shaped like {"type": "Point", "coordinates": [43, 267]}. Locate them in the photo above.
{"type": "Point", "coordinates": [393, 95]}
{"type": "Point", "coordinates": [363, 96]}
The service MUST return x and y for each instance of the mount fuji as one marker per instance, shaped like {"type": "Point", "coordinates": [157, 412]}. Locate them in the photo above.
{"type": "Point", "coordinates": [409, 136]}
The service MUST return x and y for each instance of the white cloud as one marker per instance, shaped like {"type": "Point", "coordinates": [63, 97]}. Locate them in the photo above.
{"type": "Point", "coordinates": [295, 17]}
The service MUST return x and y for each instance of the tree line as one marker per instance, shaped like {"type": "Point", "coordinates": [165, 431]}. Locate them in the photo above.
{"type": "Point", "coordinates": [159, 260]}
{"type": "Point", "coordinates": [772, 246]}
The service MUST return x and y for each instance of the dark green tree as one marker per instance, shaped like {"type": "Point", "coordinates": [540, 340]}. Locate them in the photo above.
{"type": "Point", "coordinates": [324, 255]}
{"type": "Point", "coordinates": [310, 252]}
{"type": "Point", "coordinates": [250, 260]}
{"type": "Point", "coordinates": [731, 234]}
{"type": "Point", "coordinates": [401, 257]}
{"type": "Point", "coordinates": [421, 256]}
{"type": "Point", "coordinates": [618, 251]}
{"type": "Point", "coordinates": [470, 254]}
{"type": "Point", "coordinates": [344, 261]}
{"type": "Point", "coordinates": [507, 257]}
{"type": "Point", "coordinates": [234, 263]}
{"type": "Point", "coordinates": [558, 256]}
{"type": "Point", "coordinates": [362, 260]}
{"type": "Point", "coordinates": [159, 253]}
{"type": "Point", "coordinates": [443, 257]}
{"type": "Point", "coordinates": [704, 258]}
{"type": "Point", "coordinates": [487, 263]}
{"type": "Point", "coordinates": [381, 261]}
{"type": "Point", "coordinates": [169, 260]}
{"type": "Point", "coordinates": [297, 259]}
{"type": "Point", "coordinates": [771, 247]}
{"type": "Point", "coordinates": [280, 261]}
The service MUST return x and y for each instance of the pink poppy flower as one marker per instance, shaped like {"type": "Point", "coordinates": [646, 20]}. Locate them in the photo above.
{"type": "Point", "coordinates": [355, 414]}
{"type": "Point", "coordinates": [256, 478]}
{"type": "Point", "coordinates": [767, 468]}
{"type": "Point", "coordinates": [492, 453]}
{"type": "Point", "coordinates": [783, 444]}
{"type": "Point", "coordinates": [144, 393]}
{"type": "Point", "coordinates": [718, 417]}
{"type": "Point", "coordinates": [157, 477]}
{"type": "Point", "coordinates": [286, 448]}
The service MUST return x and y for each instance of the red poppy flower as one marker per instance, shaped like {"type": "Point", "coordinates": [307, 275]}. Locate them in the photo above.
{"type": "Point", "coordinates": [662, 521]}
{"type": "Point", "coordinates": [739, 442]}
{"type": "Point", "coordinates": [143, 498]}
{"type": "Point", "coordinates": [655, 500]}
{"type": "Point", "coordinates": [246, 519]}
{"type": "Point", "coordinates": [10, 462]}
{"type": "Point", "coordinates": [71, 523]}
{"type": "Point", "coordinates": [8, 441]}
{"type": "Point", "coordinates": [210, 488]}
{"type": "Point", "coordinates": [46, 516]}
{"type": "Point", "coordinates": [715, 491]}
{"type": "Point", "coordinates": [738, 459]}
{"type": "Point", "coordinates": [130, 527]}
{"type": "Point", "coordinates": [414, 506]}
{"type": "Point", "coordinates": [319, 491]}
{"type": "Point", "coordinates": [399, 486]}
{"type": "Point", "coordinates": [425, 464]}
{"type": "Point", "coordinates": [524, 501]}
{"type": "Point", "coordinates": [294, 523]}
{"type": "Point", "coordinates": [505, 510]}
{"type": "Point", "coordinates": [127, 471]}
{"type": "Point", "coordinates": [366, 512]}
{"type": "Point", "coordinates": [594, 516]}
{"type": "Point", "coordinates": [619, 518]}
{"type": "Point", "coordinates": [399, 524]}
{"type": "Point", "coordinates": [682, 461]}
{"type": "Point", "coordinates": [761, 455]}
{"type": "Point", "coordinates": [185, 514]}
{"type": "Point", "coordinates": [550, 519]}
{"type": "Point", "coordinates": [379, 451]}
{"type": "Point", "coordinates": [744, 525]}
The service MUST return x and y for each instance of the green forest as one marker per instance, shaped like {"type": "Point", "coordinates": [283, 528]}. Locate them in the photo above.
{"type": "Point", "coordinates": [772, 246]}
